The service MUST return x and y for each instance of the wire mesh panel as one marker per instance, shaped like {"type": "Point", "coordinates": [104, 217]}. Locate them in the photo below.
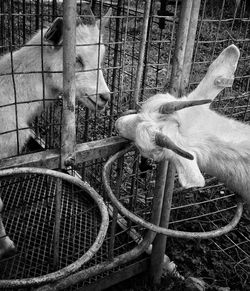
{"type": "Point", "coordinates": [57, 223]}
{"type": "Point", "coordinates": [220, 24]}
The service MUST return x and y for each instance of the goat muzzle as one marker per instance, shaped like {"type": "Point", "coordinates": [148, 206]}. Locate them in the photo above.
{"type": "Point", "coordinates": [165, 142]}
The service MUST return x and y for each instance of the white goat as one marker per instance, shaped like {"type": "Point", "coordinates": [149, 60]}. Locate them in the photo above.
{"type": "Point", "coordinates": [21, 93]}
{"type": "Point", "coordinates": [195, 138]}
{"type": "Point", "coordinates": [24, 89]}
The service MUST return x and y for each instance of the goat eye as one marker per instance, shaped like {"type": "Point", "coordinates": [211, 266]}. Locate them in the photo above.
{"type": "Point", "coordinates": [79, 61]}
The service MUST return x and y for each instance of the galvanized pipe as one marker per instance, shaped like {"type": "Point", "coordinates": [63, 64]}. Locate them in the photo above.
{"type": "Point", "coordinates": [179, 77]}
{"type": "Point", "coordinates": [57, 222]}
{"type": "Point", "coordinates": [139, 72]}
{"type": "Point", "coordinates": [180, 47]}
{"type": "Point", "coordinates": [189, 46]}
{"type": "Point", "coordinates": [115, 211]}
{"type": "Point", "coordinates": [68, 130]}
{"type": "Point", "coordinates": [159, 245]}
{"type": "Point", "coordinates": [155, 227]}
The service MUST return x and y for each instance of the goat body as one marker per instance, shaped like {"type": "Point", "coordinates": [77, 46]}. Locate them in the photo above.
{"type": "Point", "coordinates": [220, 146]}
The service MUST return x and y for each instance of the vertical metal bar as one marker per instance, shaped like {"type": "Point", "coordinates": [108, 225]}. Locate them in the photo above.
{"type": "Point", "coordinates": [180, 75]}
{"type": "Point", "coordinates": [180, 46]}
{"type": "Point", "coordinates": [54, 8]}
{"type": "Point", "coordinates": [139, 72]}
{"type": "Point", "coordinates": [69, 55]}
{"type": "Point", "coordinates": [190, 47]}
{"type": "Point", "coordinates": [115, 62]}
{"type": "Point", "coordinates": [159, 244]}
{"type": "Point", "coordinates": [2, 17]}
{"type": "Point", "coordinates": [24, 21]}
{"type": "Point", "coordinates": [12, 47]}
{"type": "Point", "coordinates": [37, 14]}
{"type": "Point", "coordinates": [57, 223]}
{"type": "Point", "coordinates": [115, 211]}
{"type": "Point", "coordinates": [147, 48]}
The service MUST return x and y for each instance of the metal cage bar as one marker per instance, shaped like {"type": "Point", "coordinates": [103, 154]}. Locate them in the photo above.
{"type": "Point", "coordinates": [69, 89]}
{"type": "Point", "coordinates": [218, 25]}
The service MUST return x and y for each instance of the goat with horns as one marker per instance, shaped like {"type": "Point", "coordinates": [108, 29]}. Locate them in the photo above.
{"type": "Point", "coordinates": [191, 135]}
{"type": "Point", "coordinates": [25, 89]}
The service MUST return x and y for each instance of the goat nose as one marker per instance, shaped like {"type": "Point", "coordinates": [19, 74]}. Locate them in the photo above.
{"type": "Point", "coordinates": [104, 97]}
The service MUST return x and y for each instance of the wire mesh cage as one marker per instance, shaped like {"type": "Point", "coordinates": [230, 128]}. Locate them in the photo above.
{"type": "Point", "coordinates": [57, 222]}
{"type": "Point", "coordinates": [140, 47]}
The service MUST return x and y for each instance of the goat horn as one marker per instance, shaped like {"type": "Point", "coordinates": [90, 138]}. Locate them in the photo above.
{"type": "Point", "coordinates": [165, 142]}
{"type": "Point", "coordinates": [130, 111]}
{"type": "Point", "coordinates": [173, 106]}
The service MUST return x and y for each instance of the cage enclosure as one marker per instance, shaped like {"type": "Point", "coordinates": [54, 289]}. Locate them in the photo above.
{"type": "Point", "coordinates": [49, 247]}
{"type": "Point", "coordinates": [53, 218]}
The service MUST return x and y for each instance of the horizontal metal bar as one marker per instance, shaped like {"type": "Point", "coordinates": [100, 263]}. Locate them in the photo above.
{"type": "Point", "coordinates": [118, 276]}
{"type": "Point", "coordinates": [84, 152]}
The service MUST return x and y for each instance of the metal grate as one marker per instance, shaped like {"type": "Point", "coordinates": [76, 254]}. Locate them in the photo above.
{"type": "Point", "coordinates": [29, 217]}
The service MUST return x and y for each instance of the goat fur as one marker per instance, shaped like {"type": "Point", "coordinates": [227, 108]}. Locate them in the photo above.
{"type": "Point", "coordinates": [220, 145]}
{"type": "Point", "coordinates": [25, 91]}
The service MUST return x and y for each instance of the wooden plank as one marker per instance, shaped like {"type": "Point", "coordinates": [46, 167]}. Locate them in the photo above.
{"type": "Point", "coordinates": [84, 152]}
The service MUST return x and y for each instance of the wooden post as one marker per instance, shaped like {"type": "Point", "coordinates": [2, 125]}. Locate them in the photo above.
{"type": "Point", "coordinates": [68, 138]}
{"type": "Point", "coordinates": [179, 80]}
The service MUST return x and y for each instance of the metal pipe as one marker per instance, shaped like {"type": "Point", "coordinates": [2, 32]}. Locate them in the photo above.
{"type": "Point", "coordinates": [115, 62]}
{"type": "Point", "coordinates": [180, 47]}
{"type": "Point", "coordinates": [159, 245]}
{"type": "Point", "coordinates": [115, 211]}
{"type": "Point", "coordinates": [119, 260]}
{"type": "Point", "coordinates": [139, 72]}
{"type": "Point", "coordinates": [73, 267]}
{"type": "Point", "coordinates": [190, 46]}
{"type": "Point", "coordinates": [155, 227]}
{"type": "Point", "coordinates": [102, 267]}
{"type": "Point", "coordinates": [57, 223]}
{"type": "Point", "coordinates": [179, 78]}
{"type": "Point", "coordinates": [68, 138]}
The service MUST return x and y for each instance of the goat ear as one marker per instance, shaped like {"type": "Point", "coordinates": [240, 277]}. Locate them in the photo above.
{"type": "Point", "coordinates": [220, 74]}
{"type": "Point", "coordinates": [54, 34]}
{"type": "Point", "coordinates": [103, 23]}
{"type": "Point", "coordinates": [87, 16]}
{"type": "Point", "coordinates": [188, 173]}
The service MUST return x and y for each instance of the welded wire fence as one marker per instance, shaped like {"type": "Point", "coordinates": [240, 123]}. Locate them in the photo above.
{"type": "Point", "coordinates": [220, 23]}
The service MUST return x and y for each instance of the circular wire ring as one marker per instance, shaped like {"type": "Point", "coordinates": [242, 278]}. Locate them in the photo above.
{"type": "Point", "coordinates": [153, 227]}
{"type": "Point", "coordinates": [62, 273]}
